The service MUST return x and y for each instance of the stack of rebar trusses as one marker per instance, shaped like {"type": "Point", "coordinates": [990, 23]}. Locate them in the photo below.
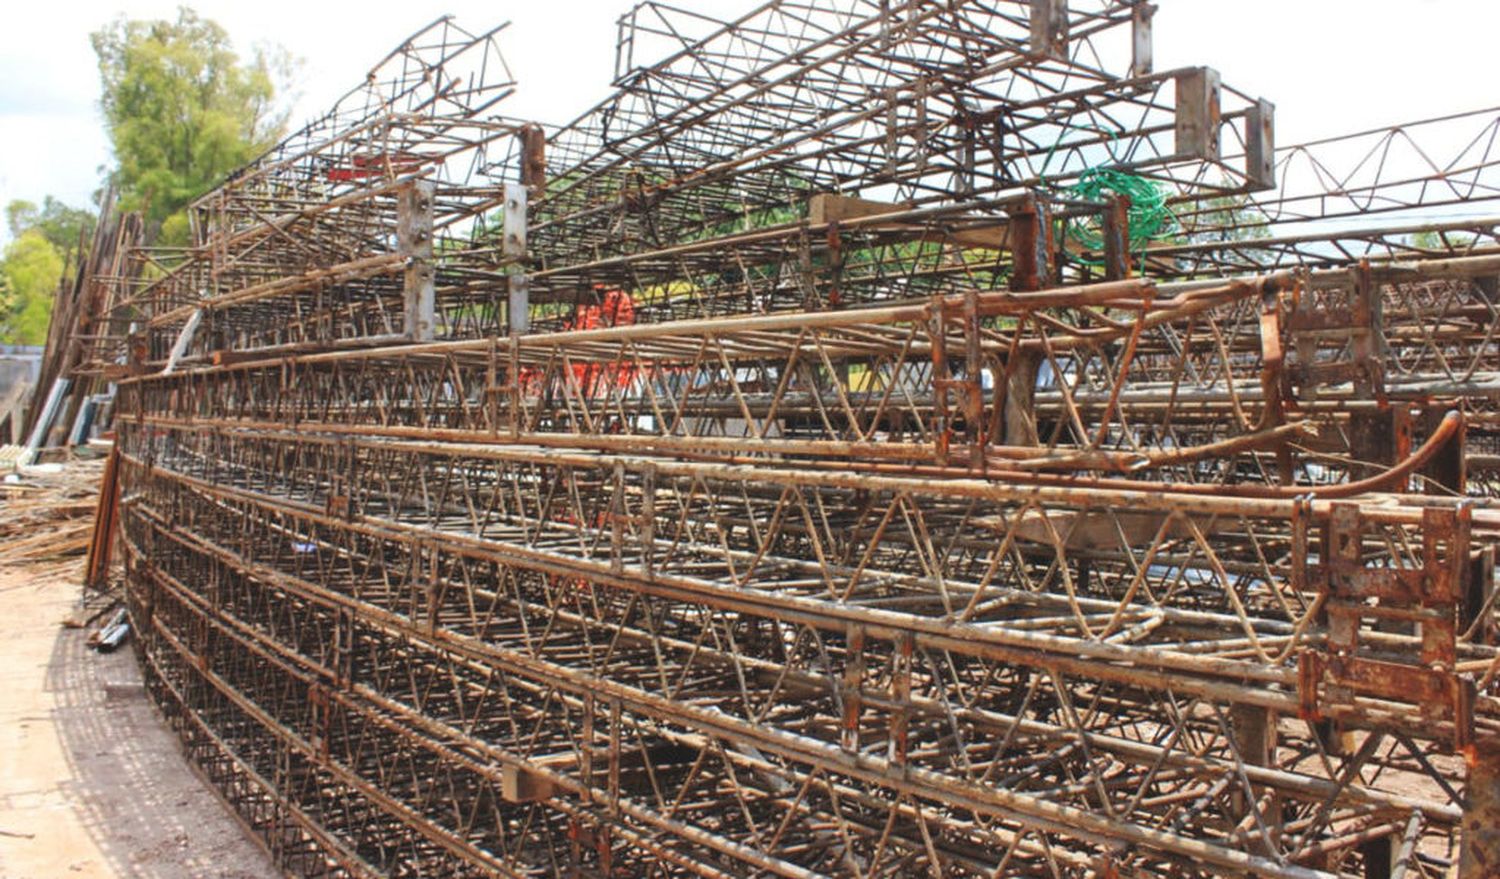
{"type": "Point", "coordinates": [881, 439]}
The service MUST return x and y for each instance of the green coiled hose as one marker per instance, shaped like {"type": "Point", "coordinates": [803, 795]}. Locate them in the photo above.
{"type": "Point", "coordinates": [1149, 218]}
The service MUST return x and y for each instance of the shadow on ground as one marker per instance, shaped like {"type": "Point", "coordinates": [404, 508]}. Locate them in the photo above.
{"type": "Point", "coordinates": [149, 814]}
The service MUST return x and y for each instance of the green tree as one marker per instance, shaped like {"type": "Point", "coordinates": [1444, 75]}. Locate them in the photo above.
{"type": "Point", "coordinates": [31, 270]}
{"type": "Point", "coordinates": [1440, 241]}
{"type": "Point", "coordinates": [182, 111]}
{"type": "Point", "coordinates": [1224, 218]}
{"type": "Point", "coordinates": [60, 224]}
{"type": "Point", "coordinates": [34, 263]}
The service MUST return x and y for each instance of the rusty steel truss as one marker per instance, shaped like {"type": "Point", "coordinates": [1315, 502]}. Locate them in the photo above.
{"type": "Point", "coordinates": [800, 465]}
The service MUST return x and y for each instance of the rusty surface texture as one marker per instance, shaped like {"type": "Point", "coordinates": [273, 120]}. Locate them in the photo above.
{"type": "Point", "coordinates": [787, 469]}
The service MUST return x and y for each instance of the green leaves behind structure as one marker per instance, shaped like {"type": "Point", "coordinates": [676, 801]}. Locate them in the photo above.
{"type": "Point", "coordinates": [42, 238]}
{"type": "Point", "coordinates": [28, 281]}
{"type": "Point", "coordinates": [60, 224]}
{"type": "Point", "coordinates": [182, 111]}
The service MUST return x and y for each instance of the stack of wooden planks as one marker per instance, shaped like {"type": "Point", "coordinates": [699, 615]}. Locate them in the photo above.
{"type": "Point", "coordinates": [45, 516]}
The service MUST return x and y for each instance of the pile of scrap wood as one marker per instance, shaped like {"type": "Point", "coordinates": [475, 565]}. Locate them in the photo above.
{"type": "Point", "coordinates": [48, 514]}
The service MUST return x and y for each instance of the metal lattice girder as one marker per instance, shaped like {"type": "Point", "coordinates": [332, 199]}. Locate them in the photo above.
{"type": "Point", "coordinates": [760, 475]}
{"type": "Point", "coordinates": [845, 538]}
{"type": "Point", "coordinates": [1381, 194]}
{"type": "Point", "coordinates": [247, 256]}
{"type": "Point", "coordinates": [1397, 169]}
{"type": "Point", "coordinates": [306, 545]}
{"type": "Point", "coordinates": [313, 221]}
{"type": "Point", "coordinates": [428, 101]}
{"type": "Point", "coordinates": [333, 272]}
{"type": "Point", "coordinates": [1193, 384]}
{"type": "Point", "coordinates": [1329, 245]}
{"type": "Point", "coordinates": [794, 99]}
{"type": "Point", "coordinates": [343, 292]}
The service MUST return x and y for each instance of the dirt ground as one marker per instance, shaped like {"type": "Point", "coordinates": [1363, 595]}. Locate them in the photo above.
{"type": "Point", "coordinates": [92, 783]}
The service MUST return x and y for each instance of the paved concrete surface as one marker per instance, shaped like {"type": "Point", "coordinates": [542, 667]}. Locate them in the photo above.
{"type": "Point", "coordinates": [92, 783]}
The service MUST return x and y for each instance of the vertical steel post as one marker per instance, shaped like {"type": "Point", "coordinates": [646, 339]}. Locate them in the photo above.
{"type": "Point", "coordinates": [1479, 846]}
{"type": "Point", "coordinates": [513, 250]}
{"type": "Point", "coordinates": [414, 205]}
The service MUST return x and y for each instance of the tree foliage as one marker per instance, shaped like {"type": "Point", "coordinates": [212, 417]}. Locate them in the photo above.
{"type": "Point", "coordinates": [30, 273]}
{"type": "Point", "coordinates": [34, 262]}
{"type": "Point", "coordinates": [182, 110]}
{"type": "Point", "coordinates": [1440, 241]}
{"type": "Point", "coordinates": [60, 224]}
{"type": "Point", "coordinates": [1226, 218]}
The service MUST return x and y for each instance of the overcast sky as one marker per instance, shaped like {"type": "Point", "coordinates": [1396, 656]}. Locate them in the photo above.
{"type": "Point", "coordinates": [1329, 65]}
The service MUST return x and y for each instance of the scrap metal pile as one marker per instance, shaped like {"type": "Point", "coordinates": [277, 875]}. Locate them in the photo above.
{"type": "Point", "coordinates": [880, 439]}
